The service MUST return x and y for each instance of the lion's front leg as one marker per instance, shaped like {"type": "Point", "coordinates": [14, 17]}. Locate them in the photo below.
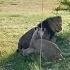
{"type": "Point", "coordinates": [28, 51]}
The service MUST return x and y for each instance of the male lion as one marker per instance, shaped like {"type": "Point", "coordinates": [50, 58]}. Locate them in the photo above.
{"type": "Point", "coordinates": [50, 27]}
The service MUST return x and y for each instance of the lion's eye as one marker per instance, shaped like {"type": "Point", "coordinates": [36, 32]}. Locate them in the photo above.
{"type": "Point", "coordinates": [58, 24]}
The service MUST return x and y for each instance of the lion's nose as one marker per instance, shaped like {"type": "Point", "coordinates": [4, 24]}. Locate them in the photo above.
{"type": "Point", "coordinates": [60, 28]}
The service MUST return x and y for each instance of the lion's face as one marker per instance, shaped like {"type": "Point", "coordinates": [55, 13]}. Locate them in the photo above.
{"type": "Point", "coordinates": [55, 24]}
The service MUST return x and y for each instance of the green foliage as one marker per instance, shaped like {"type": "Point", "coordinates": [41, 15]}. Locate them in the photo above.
{"type": "Point", "coordinates": [64, 5]}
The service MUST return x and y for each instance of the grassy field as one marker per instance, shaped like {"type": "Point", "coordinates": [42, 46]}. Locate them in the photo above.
{"type": "Point", "coordinates": [16, 18]}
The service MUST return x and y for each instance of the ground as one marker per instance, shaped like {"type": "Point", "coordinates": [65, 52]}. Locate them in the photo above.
{"type": "Point", "coordinates": [16, 18]}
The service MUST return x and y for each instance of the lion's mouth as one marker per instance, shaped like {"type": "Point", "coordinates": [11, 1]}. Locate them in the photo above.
{"type": "Point", "coordinates": [58, 29]}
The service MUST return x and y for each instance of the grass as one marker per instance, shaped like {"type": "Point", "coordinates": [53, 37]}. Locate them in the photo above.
{"type": "Point", "coordinates": [27, 6]}
{"type": "Point", "coordinates": [15, 21]}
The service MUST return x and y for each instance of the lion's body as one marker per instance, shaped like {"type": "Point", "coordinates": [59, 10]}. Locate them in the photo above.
{"type": "Point", "coordinates": [25, 40]}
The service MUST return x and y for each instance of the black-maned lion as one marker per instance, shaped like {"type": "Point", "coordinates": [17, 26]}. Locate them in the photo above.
{"type": "Point", "coordinates": [50, 27]}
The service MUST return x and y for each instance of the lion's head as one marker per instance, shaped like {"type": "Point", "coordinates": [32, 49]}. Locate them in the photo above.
{"type": "Point", "coordinates": [55, 23]}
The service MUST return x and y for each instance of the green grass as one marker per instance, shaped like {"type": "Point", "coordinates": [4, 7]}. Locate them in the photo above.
{"type": "Point", "coordinates": [15, 20]}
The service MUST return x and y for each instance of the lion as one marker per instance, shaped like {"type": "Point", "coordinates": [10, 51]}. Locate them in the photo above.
{"type": "Point", "coordinates": [50, 27]}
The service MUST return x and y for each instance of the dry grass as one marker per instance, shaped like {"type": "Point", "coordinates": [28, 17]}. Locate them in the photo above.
{"type": "Point", "coordinates": [27, 6]}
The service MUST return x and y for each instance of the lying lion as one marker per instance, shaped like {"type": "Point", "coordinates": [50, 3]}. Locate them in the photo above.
{"type": "Point", "coordinates": [50, 27]}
